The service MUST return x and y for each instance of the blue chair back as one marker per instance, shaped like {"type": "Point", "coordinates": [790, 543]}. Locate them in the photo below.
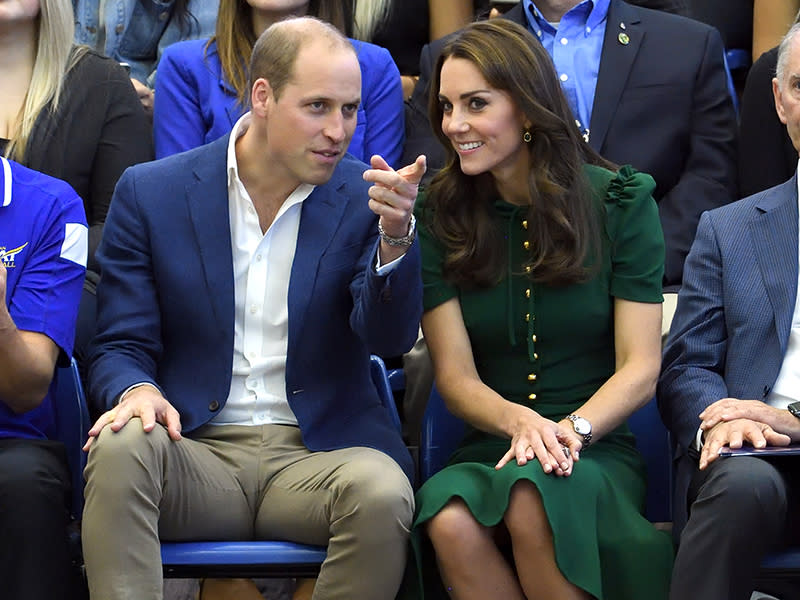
{"type": "Point", "coordinates": [261, 558]}
{"type": "Point", "coordinates": [72, 425]}
{"type": "Point", "coordinates": [654, 444]}
{"type": "Point", "coordinates": [441, 433]}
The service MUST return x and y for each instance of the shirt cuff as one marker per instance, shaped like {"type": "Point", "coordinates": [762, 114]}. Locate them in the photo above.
{"type": "Point", "coordinates": [133, 387]}
{"type": "Point", "coordinates": [388, 268]}
{"type": "Point", "coordinates": [698, 440]}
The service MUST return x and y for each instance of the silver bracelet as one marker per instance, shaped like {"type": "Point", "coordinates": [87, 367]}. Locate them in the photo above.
{"type": "Point", "coordinates": [404, 241]}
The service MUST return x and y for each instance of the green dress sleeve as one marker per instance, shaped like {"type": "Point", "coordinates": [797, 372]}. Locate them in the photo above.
{"type": "Point", "coordinates": [436, 290]}
{"type": "Point", "coordinates": [636, 239]}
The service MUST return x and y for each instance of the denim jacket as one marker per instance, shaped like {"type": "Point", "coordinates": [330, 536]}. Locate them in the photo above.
{"type": "Point", "coordinates": [137, 31]}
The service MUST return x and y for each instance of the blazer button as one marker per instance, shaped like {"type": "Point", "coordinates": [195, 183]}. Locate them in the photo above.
{"type": "Point", "coordinates": [213, 406]}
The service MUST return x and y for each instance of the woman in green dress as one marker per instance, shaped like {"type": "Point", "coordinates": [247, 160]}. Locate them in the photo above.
{"type": "Point", "coordinates": [542, 265]}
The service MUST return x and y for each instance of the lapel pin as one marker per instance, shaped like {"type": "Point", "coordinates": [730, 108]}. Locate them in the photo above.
{"type": "Point", "coordinates": [623, 39]}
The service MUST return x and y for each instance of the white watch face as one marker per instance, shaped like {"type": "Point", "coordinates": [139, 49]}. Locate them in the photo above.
{"type": "Point", "coordinates": [581, 426]}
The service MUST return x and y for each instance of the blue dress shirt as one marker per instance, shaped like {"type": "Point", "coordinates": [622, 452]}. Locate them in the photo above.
{"type": "Point", "coordinates": [575, 45]}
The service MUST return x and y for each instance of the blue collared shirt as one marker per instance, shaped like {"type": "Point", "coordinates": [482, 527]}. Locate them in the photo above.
{"type": "Point", "coordinates": [575, 48]}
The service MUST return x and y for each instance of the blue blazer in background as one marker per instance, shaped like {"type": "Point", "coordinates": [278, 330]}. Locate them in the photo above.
{"type": "Point", "coordinates": [166, 301]}
{"type": "Point", "coordinates": [195, 105]}
{"type": "Point", "coordinates": [731, 328]}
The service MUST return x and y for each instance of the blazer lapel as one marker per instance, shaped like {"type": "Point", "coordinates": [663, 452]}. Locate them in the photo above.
{"type": "Point", "coordinates": [321, 213]}
{"type": "Point", "coordinates": [207, 200]}
{"type": "Point", "coordinates": [775, 242]}
{"type": "Point", "coordinates": [623, 38]}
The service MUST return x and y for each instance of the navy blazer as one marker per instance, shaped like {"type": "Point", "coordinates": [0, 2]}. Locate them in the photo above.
{"type": "Point", "coordinates": [731, 328]}
{"type": "Point", "coordinates": [661, 104]}
{"type": "Point", "coordinates": [166, 301]}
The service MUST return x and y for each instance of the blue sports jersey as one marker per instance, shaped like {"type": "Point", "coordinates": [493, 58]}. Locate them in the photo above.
{"type": "Point", "coordinates": [43, 246]}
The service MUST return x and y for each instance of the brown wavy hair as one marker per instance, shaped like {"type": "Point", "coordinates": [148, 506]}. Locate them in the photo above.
{"type": "Point", "coordinates": [563, 218]}
{"type": "Point", "coordinates": [235, 37]}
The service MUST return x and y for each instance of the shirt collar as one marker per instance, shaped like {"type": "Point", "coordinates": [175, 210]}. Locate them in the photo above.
{"type": "Point", "coordinates": [797, 176]}
{"type": "Point", "coordinates": [6, 182]}
{"type": "Point", "coordinates": [593, 12]}
{"type": "Point", "coordinates": [238, 131]}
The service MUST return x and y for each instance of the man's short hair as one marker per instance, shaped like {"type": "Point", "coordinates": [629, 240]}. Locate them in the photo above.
{"type": "Point", "coordinates": [783, 52]}
{"type": "Point", "coordinates": [276, 49]}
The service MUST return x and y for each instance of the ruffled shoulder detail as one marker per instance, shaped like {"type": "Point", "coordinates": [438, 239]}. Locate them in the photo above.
{"type": "Point", "coordinates": [623, 194]}
{"type": "Point", "coordinates": [629, 186]}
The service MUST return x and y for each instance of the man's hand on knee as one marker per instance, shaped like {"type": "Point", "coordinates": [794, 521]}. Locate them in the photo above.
{"type": "Point", "coordinates": [735, 433]}
{"type": "Point", "coordinates": [145, 402]}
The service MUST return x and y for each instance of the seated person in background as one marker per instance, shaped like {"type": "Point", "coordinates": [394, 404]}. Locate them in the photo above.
{"type": "Point", "coordinates": [245, 284]}
{"type": "Point", "coordinates": [42, 263]}
{"type": "Point", "coordinates": [542, 267]}
{"type": "Point", "coordinates": [766, 154]}
{"type": "Point", "coordinates": [646, 88]}
{"type": "Point", "coordinates": [70, 113]}
{"type": "Point", "coordinates": [66, 111]}
{"type": "Point", "coordinates": [730, 372]}
{"type": "Point", "coordinates": [136, 32]}
{"type": "Point", "coordinates": [202, 84]}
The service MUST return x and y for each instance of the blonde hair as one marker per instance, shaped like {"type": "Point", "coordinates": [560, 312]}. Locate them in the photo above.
{"type": "Point", "coordinates": [55, 56]}
{"type": "Point", "coordinates": [369, 16]}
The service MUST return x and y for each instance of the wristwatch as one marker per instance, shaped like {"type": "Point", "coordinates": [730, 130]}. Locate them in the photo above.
{"type": "Point", "coordinates": [794, 408]}
{"type": "Point", "coordinates": [584, 428]}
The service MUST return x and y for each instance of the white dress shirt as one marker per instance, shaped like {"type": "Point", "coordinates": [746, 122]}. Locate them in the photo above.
{"type": "Point", "coordinates": [262, 264]}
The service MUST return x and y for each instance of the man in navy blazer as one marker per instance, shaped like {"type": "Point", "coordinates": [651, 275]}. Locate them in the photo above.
{"type": "Point", "coordinates": [661, 104]}
{"type": "Point", "coordinates": [731, 378]}
{"type": "Point", "coordinates": [244, 287]}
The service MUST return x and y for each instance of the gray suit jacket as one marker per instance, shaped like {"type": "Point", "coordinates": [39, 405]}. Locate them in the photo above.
{"type": "Point", "coordinates": [731, 327]}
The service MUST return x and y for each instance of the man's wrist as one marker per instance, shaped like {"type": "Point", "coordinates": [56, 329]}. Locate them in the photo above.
{"type": "Point", "coordinates": [129, 389]}
{"type": "Point", "coordinates": [403, 241]}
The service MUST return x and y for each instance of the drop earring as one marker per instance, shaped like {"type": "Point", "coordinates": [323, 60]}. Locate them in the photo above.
{"type": "Point", "coordinates": [527, 137]}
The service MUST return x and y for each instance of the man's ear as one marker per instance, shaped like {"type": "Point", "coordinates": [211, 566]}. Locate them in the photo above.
{"type": "Point", "coordinates": [776, 92]}
{"type": "Point", "coordinates": [261, 97]}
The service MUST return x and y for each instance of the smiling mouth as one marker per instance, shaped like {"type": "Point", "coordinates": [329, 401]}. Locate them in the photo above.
{"type": "Point", "coordinates": [327, 153]}
{"type": "Point", "coordinates": [469, 146]}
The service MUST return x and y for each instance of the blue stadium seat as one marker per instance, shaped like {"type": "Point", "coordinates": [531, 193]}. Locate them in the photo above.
{"type": "Point", "coordinates": [197, 559]}
{"type": "Point", "coordinates": [260, 558]}
{"type": "Point", "coordinates": [72, 425]}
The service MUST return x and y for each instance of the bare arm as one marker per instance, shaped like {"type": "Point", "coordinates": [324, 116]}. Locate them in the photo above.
{"type": "Point", "coordinates": [530, 434]}
{"type": "Point", "coordinates": [447, 16]}
{"type": "Point", "coordinates": [637, 341]}
{"type": "Point", "coordinates": [27, 360]}
{"type": "Point", "coordinates": [771, 21]}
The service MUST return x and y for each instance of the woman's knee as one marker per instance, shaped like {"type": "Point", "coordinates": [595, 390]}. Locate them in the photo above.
{"type": "Point", "coordinates": [455, 527]}
{"type": "Point", "coordinates": [525, 512]}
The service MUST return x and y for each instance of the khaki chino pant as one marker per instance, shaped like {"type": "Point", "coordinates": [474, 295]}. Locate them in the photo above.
{"type": "Point", "coordinates": [237, 483]}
